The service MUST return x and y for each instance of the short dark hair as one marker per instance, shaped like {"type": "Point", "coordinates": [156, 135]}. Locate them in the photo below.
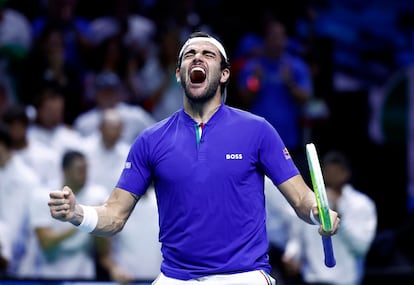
{"type": "Point", "coordinates": [336, 157]}
{"type": "Point", "coordinates": [16, 113]}
{"type": "Point", "coordinates": [69, 157]}
{"type": "Point", "coordinates": [46, 94]}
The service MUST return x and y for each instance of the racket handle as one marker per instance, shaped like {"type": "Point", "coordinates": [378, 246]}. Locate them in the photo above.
{"type": "Point", "coordinates": [328, 251]}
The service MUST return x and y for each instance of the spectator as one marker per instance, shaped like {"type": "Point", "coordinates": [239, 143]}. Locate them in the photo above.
{"type": "Point", "coordinates": [166, 99]}
{"type": "Point", "coordinates": [15, 43]}
{"type": "Point", "coordinates": [109, 56]}
{"type": "Point", "coordinates": [43, 160]}
{"type": "Point", "coordinates": [47, 63]}
{"type": "Point", "coordinates": [105, 151]}
{"type": "Point", "coordinates": [106, 155]}
{"type": "Point", "coordinates": [75, 29]}
{"type": "Point", "coordinates": [62, 252]}
{"type": "Point", "coordinates": [48, 127]}
{"type": "Point", "coordinates": [250, 45]}
{"type": "Point", "coordinates": [108, 95]}
{"type": "Point", "coordinates": [276, 85]}
{"type": "Point", "coordinates": [17, 182]}
{"type": "Point", "coordinates": [282, 224]}
{"type": "Point", "coordinates": [123, 44]}
{"type": "Point", "coordinates": [353, 240]}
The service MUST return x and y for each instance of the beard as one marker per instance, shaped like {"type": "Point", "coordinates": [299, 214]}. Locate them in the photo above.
{"type": "Point", "coordinates": [207, 95]}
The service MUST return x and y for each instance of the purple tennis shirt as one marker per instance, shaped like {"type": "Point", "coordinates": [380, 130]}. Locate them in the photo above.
{"type": "Point", "coordinates": [210, 191]}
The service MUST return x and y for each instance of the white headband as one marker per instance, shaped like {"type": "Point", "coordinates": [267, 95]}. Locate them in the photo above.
{"type": "Point", "coordinates": [211, 40]}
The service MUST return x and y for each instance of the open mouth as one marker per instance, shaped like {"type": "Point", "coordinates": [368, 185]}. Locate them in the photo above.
{"type": "Point", "coordinates": [197, 75]}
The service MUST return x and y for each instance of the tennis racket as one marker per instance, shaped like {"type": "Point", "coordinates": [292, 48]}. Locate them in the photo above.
{"type": "Point", "coordinates": [322, 201]}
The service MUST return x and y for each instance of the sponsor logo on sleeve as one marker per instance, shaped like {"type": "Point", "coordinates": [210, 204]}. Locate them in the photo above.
{"type": "Point", "coordinates": [286, 153]}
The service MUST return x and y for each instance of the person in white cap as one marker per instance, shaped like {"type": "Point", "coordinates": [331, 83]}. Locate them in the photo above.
{"type": "Point", "coordinates": [108, 94]}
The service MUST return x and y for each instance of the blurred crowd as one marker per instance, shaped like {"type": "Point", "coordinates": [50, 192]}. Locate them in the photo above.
{"type": "Point", "coordinates": [79, 80]}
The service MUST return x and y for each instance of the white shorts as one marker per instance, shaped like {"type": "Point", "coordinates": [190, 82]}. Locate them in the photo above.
{"type": "Point", "coordinates": [257, 277]}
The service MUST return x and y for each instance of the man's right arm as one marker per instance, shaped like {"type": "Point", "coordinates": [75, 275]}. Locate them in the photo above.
{"type": "Point", "coordinates": [111, 216]}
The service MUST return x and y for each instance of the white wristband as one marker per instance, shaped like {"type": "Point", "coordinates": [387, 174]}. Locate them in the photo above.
{"type": "Point", "coordinates": [313, 219]}
{"type": "Point", "coordinates": [90, 219]}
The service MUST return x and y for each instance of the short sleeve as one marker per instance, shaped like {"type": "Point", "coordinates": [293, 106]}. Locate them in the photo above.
{"type": "Point", "coordinates": [274, 156]}
{"type": "Point", "coordinates": [136, 174]}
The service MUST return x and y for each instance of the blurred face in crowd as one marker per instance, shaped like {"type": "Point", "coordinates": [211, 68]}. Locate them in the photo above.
{"type": "Point", "coordinates": [275, 38]}
{"type": "Point", "coordinates": [62, 10]}
{"type": "Point", "coordinates": [111, 128]}
{"type": "Point", "coordinates": [76, 173]}
{"type": "Point", "coordinates": [107, 97]}
{"type": "Point", "coordinates": [18, 131]}
{"type": "Point", "coordinates": [55, 49]}
{"type": "Point", "coordinates": [50, 112]}
{"type": "Point", "coordinates": [335, 175]}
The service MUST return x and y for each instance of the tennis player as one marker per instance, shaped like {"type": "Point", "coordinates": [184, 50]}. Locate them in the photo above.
{"type": "Point", "coordinates": [207, 162]}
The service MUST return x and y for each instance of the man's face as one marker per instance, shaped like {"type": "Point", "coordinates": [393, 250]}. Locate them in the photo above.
{"type": "Point", "coordinates": [18, 131]}
{"type": "Point", "coordinates": [50, 114]}
{"type": "Point", "coordinates": [200, 72]}
{"type": "Point", "coordinates": [335, 175]}
{"type": "Point", "coordinates": [76, 173]}
{"type": "Point", "coordinates": [111, 133]}
{"type": "Point", "coordinates": [107, 97]}
{"type": "Point", "coordinates": [275, 38]}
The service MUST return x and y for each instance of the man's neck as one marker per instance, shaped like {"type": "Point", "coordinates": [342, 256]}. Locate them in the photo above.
{"type": "Point", "coordinates": [201, 113]}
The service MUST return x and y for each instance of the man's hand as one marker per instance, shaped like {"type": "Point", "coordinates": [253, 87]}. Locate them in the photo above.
{"type": "Point", "coordinates": [335, 222]}
{"type": "Point", "coordinates": [62, 205]}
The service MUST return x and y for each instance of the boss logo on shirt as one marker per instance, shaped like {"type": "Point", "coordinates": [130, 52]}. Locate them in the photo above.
{"type": "Point", "coordinates": [233, 156]}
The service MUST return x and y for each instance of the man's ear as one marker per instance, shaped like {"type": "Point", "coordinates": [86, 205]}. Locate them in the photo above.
{"type": "Point", "coordinates": [177, 75]}
{"type": "Point", "coordinates": [225, 75]}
